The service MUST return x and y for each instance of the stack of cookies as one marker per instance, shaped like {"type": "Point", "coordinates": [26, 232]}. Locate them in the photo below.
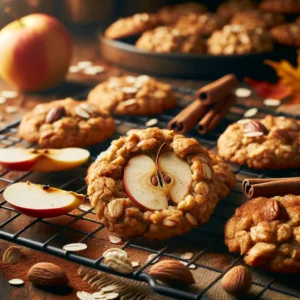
{"type": "Point", "coordinates": [237, 27]}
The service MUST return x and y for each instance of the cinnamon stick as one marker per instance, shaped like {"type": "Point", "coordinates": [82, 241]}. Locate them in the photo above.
{"type": "Point", "coordinates": [217, 90]}
{"type": "Point", "coordinates": [269, 187]}
{"type": "Point", "coordinates": [188, 117]}
{"type": "Point", "coordinates": [215, 115]}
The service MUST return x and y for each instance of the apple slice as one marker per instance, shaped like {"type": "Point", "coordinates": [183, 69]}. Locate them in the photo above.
{"type": "Point", "coordinates": [180, 173]}
{"type": "Point", "coordinates": [60, 159]}
{"type": "Point", "coordinates": [40, 201]}
{"type": "Point", "coordinates": [18, 159]}
{"type": "Point", "coordinates": [42, 160]}
{"type": "Point", "coordinates": [137, 182]}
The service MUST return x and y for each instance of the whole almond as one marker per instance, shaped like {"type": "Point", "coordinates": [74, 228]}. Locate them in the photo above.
{"type": "Point", "coordinates": [284, 136]}
{"type": "Point", "coordinates": [12, 255]}
{"type": "Point", "coordinates": [55, 114]}
{"type": "Point", "coordinates": [237, 281]}
{"type": "Point", "coordinates": [172, 272]}
{"type": "Point", "coordinates": [256, 126]}
{"type": "Point", "coordinates": [47, 274]}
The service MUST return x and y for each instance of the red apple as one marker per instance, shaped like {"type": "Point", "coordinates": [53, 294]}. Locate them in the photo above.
{"type": "Point", "coordinates": [40, 201]}
{"type": "Point", "coordinates": [35, 52]}
{"type": "Point", "coordinates": [42, 160]}
{"type": "Point", "coordinates": [151, 184]}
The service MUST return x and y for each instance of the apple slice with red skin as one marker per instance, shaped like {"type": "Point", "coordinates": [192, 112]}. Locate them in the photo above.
{"type": "Point", "coordinates": [150, 185]}
{"type": "Point", "coordinates": [42, 160]}
{"type": "Point", "coordinates": [18, 159]}
{"type": "Point", "coordinates": [40, 201]}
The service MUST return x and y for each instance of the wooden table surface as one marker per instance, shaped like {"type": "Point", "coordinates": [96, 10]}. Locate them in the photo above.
{"type": "Point", "coordinates": [85, 48]}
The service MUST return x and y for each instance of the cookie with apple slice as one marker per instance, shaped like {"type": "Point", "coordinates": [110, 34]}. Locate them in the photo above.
{"type": "Point", "coordinates": [66, 123]}
{"type": "Point", "coordinates": [157, 184]}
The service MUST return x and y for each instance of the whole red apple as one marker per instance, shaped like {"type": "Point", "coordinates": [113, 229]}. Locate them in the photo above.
{"type": "Point", "coordinates": [35, 52]}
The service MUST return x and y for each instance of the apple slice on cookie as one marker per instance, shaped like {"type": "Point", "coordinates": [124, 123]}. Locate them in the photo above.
{"type": "Point", "coordinates": [41, 201]}
{"type": "Point", "coordinates": [151, 184]}
{"type": "Point", "coordinates": [42, 160]}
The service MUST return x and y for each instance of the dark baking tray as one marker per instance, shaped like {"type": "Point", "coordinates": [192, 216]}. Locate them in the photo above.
{"type": "Point", "coordinates": [202, 66]}
{"type": "Point", "coordinates": [211, 256]}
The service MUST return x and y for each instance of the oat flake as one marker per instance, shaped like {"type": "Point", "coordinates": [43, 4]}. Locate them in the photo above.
{"type": "Point", "coordinates": [111, 296]}
{"type": "Point", "coordinates": [99, 295]}
{"type": "Point", "coordinates": [109, 288]}
{"type": "Point", "coordinates": [74, 69]}
{"type": "Point", "coordinates": [75, 247]}
{"type": "Point", "coordinates": [84, 296]}
{"type": "Point", "coordinates": [84, 207]}
{"type": "Point", "coordinates": [243, 92]}
{"type": "Point", "coordinates": [2, 100]}
{"type": "Point", "coordinates": [9, 94]}
{"type": "Point", "coordinates": [251, 112]}
{"type": "Point", "coordinates": [253, 134]}
{"type": "Point", "coordinates": [114, 239]}
{"type": "Point", "coordinates": [135, 264]}
{"type": "Point", "coordinates": [118, 250]}
{"type": "Point", "coordinates": [151, 256]}
{"type": "Point", "coordinates": [11, 109]}
{"type": "Point", "coordinates": [16, 281]}
{"type": "Point", "coordinates": [151, 122]}
{"type": "Point", "coordinates": [191, 266]}
{"type": "Point", "coordinates": [244, 121]}
{"type": "Point", "coordinates": [84, 64]}
{"type": "Point", "coordinates": [187, 255]}
{"type": "Point", "coordinates": [272, 102]}
{"type": "Point", "coordinates": [128, 90]}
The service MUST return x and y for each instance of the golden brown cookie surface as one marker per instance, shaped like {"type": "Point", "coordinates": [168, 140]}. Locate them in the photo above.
{"type": "Point", "coordinates": [169, 15]}
{"type": "Point", "coordinates": [229, 8]}
{"type": "Point", "coordinates": [132, 25]}
{"type": "Point", "coordinates": [256, 18]}
{"type": "Point", "coordinates": [281, 6]}
{"type": "Point", "coordinates": [129, 95]}
{"type": "Point", "coordinates": [287, 34]}
{"type": "Point", "coordinates": [266, 232]}
{"type": "Point", "coordinates": [170, 39]}
{"type": "Point", "coordinates": [157, 184]}
{"type": "Point", "coordinates": [269, 143]}
{"type": "Point", "coordinates": [237, 39]}
{"type": "Point", "coordinates": [200, 24]}
{"type": "Point", "coordinates": [66, 123]}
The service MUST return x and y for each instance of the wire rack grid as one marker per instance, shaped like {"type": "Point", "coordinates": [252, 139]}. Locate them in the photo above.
{"type": "Point", "coordinates": [210, 260]}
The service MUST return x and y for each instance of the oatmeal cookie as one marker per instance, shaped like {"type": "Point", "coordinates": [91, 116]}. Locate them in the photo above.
{"type": "Point", "coordinates": [170, 39]}
{"type": "Point", "coordinates": [268, 143]}
{"type": "Point", "coordinates": [132, 25]}
{"type": "Point", "coordinates": [169, 14]}
{"type": "Point", "coordinates": [129, 95]}
{"type": "Point", "coordinates": [237, 39]}
{"type": "Point", "coordinates": [266, 232]}
{"type": "Point", "coordinates": [156, 184]}
{"type": "Point", "coordinates": [256, 18]}
{"type": "Point", "coordinates": [281, 6]}
{"type": "Point", "coordinates": [200, 24]}
{"type": "Point", "coordinates": [287, 34]}
{"type": "Point", "coordinates": [229, 8]}
{"type": "Point", "coordinates": [66, 123]}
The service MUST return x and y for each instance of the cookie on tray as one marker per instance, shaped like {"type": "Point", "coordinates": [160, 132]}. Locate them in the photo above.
{"type": "Point", "coordinates": [268, 143]}
{"type": "Point", "coordinates": [256, 18]}
{"type": "Point", "coordinates": [200, 24]}
{"type": "Point", "coordinates": [281, 6]}
{"type": "Point", "coordinates": [169, 14]}
{"type": "Point", "coordinates": [229, 8]}
{"type": "Point", "coordinates": [129, 95]}
{"type": "Point", "coordinates": [170, 39]}
{"type": "Point", "coordinates": [66, 123]}
{"type": "Point", "coordinates": [287, 34]}
{"type": "Point", "coordinates": [266, 232]}
{"type": "Point", "coordinates": [157, 184]}
{"type": "Point", "coordinates": [131, 26]}
{"type": "Point", "coordinates": [237, 39]}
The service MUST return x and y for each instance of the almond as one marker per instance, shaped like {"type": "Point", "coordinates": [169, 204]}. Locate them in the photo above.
{"type": "Point", "coordinates": [172, 272]}
{"type": "Point", "coordinates": [55, 114]}
{"type": "Point", "coordinates": [237, 281]}
{"type": "Point", "coordinates": [47, 274]}
{"type": "Point", "coordinates": [256, 126]}
{"type": "Point", "coordinates": [12, 255]}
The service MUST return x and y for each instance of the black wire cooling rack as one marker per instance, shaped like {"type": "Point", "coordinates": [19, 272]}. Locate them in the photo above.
{"type": "Point", "coordinates": [211, 259]}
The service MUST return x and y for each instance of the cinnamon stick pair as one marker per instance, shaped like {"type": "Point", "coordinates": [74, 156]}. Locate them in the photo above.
{"type": "Point", "coordinates": [270, 187]}
{"type": "Point", "coordinates": [213, 102]}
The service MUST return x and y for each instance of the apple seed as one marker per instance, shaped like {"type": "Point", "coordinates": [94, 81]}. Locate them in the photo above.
{"type": "Point", "coordinates": [154, 180]}
{"type": "Point", "coordinates": [167, 179]}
